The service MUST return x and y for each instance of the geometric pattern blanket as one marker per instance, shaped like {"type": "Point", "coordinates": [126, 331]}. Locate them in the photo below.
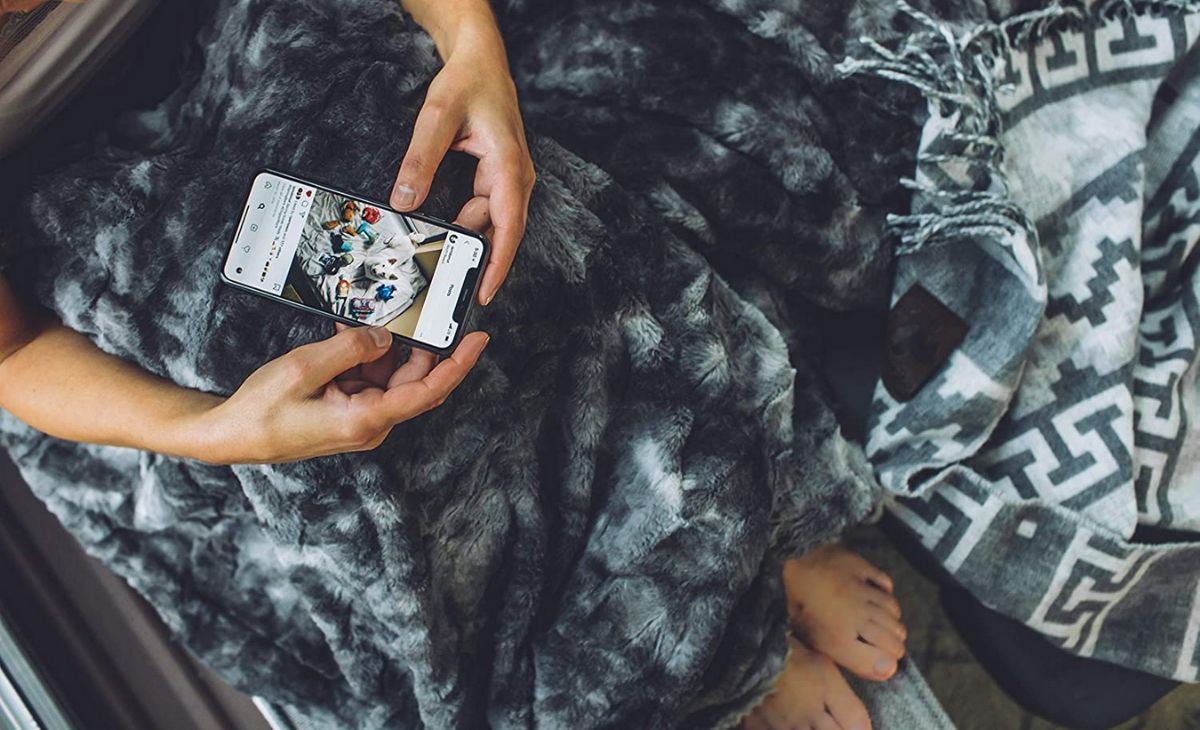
{"type": "Point", "coordinates": [1057, 214]}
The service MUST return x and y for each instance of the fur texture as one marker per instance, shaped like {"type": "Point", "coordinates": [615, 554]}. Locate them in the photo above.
{"type": "Point", "coordinates": [587, 532]}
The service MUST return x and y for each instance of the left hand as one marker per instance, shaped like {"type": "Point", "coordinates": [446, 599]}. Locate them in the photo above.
{"type": "Point", "coordinates": [387, 371]}
{"type": "Point", "coordinates": [472, 107]}
{"type": "Point", "coordinates": [341, 394]}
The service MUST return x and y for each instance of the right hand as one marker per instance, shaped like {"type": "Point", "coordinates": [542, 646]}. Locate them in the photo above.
{"type": "Point", "coordinates": [341, 394]}
{"type": "Point", "coordinates": [472, 107]}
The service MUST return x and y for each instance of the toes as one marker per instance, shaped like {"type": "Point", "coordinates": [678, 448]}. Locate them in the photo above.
{"type": "Point", "coordinates": [886, 601]}
{"type": "Point", "coordinates": [843, 705]}
{"type": "Point", "coordinates": [882, 638]}
{"type": "Point", "coordinates": [825, 722]}
{"type": "Point", "coordinates": [861, 568]}
{"type": "Point", "coordinates": [875, 576]}
{"type": "Point", "coordinates": [887, 621]}
{"type": "Point", "coordinates": [865, 660]}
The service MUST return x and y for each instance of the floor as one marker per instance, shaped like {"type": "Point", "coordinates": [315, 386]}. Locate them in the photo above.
{"type": "Point", "coordinates": [969, 696]}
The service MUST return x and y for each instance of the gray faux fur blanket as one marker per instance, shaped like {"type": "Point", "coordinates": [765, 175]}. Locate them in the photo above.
{"type": "Point", "coordinates": [588, 531]}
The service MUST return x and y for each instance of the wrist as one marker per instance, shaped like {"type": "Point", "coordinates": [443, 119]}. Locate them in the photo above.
{"type": "Point", "coordinates": [472, 26]}
{"type": "Point", "coordinates": [196, 431]}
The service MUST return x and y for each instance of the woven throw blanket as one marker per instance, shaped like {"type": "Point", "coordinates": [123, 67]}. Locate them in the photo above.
{"type": "Point", "coordinates": [588, 532]}
{"type": "Point", "coordinates": [1057, 214]}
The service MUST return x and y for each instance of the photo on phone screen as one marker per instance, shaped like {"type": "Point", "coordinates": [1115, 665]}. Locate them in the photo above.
{"type": "Point", "coordinates": [356, 260]}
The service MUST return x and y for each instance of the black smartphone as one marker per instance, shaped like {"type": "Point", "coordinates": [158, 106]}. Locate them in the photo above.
{"type": "Point", "coordinates": [355, 260]}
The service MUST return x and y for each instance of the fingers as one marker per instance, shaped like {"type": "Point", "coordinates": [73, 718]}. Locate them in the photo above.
{"type": "Point", "coordinates": [436, 127]}
{"type": "Point", "coordinates": [413, 398]}
{"type": "Point", "coordinates": [420, 363]}
{"type": "Point", "coordinates": [309, 367]}
{"type": "Point", "coordinates": [475, 214]}
{"type": "Point", "coordinates": [509, 205]}
{"type": "Point", "coordinates": [350, 386]}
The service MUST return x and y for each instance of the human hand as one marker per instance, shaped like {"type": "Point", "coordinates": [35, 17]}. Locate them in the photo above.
{"type": "Point", "coordinates": [472, 107]}
{"type": "Point", "coordinates": [341, 394]}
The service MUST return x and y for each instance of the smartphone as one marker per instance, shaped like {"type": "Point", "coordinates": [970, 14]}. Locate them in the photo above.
{"type": "Point", "coordinates": [356, 261]}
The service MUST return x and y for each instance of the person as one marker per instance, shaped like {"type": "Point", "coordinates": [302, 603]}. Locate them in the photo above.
{"type": "Point", "coordinates": [844, 614]}
{"type": "Point", "coordinates": [59, 382]}
{"type": "Point", "coordinates": [842, 609]}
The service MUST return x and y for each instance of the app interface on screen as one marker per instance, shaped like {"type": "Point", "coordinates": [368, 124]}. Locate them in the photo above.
{"type": "Point", "coordinates": [353, 259]}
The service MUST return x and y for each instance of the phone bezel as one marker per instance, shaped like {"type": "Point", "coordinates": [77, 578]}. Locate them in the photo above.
{"type": "Point", "coordinates": [471, 301]}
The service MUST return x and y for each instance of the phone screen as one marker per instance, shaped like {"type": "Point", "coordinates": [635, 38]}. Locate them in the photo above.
{"type": "Point", "coordinates": [356, 260]}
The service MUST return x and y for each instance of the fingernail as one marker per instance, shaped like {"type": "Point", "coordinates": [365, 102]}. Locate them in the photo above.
{"type": "Point", "coordinates": [380, 336]}
{"type": "Point", "coordinates": [883, 667]}
{"type": "Point", "coordinates": [487, 299]}
{"type": "Point", "coordinates": [859, 726]}
{"type": "Point", "coordinates": [403, 197]}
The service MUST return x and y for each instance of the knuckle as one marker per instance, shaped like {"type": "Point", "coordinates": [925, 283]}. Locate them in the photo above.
{"type": "Point", "coordinates": [297, 369]}
{"type": "Point", "coordinates": [438, 112]}
{"type": "Point", "coordinates": [360, 346]}
{"type": "Point", "coordinates": [436, 106]}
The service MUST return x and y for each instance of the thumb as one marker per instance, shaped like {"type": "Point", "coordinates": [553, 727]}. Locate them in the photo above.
{"type": "Point", "coordinates": [435, 129]}
{"type": "Point", "coordinates": [311, 366]}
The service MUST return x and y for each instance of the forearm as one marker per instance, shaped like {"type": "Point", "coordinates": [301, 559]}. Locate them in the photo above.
{"type": "Point", "coordinates": [450, 22]}
{"type": "Point", "coordinates": [62, 384]}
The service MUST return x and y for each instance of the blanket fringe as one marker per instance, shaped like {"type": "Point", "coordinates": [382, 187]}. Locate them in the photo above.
{"type": "Point", "coordinates": [956, 72]}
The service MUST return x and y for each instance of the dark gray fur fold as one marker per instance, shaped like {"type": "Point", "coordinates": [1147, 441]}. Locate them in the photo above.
{"type": "Point", "coordinates": [587, 533]}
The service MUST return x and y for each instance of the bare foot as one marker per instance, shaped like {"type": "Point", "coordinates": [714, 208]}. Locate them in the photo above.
{"type": "Point", "coordinates": [843, 607]}
{"type": "Point", "coordinates": [810, 693]}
